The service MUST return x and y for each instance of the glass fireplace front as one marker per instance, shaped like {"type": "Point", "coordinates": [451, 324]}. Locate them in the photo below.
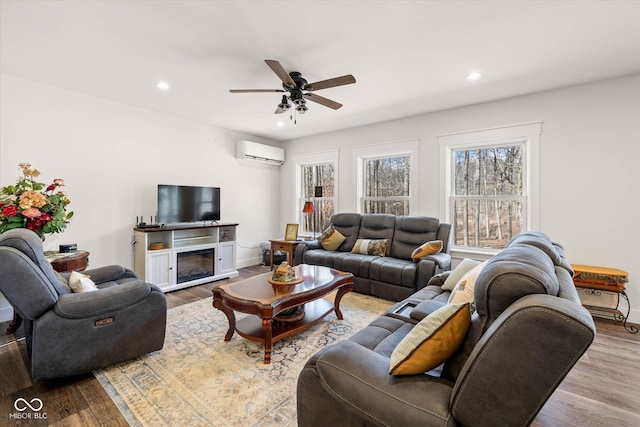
{"type": "Point", "coordinates": [193, 265]}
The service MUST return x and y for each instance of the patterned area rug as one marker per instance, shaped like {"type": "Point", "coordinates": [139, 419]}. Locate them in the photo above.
{"type": "Point", "coordinates": [197, 379]}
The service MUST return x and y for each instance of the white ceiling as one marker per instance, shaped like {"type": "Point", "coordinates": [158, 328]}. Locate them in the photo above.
{"type": "Point", "coordinates": [407, 57]}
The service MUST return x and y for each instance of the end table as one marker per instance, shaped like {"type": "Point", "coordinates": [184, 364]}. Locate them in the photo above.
{"type": "Point", "coordinates": [289, 246]}
{"type": "Point", "coordinates": [69, 261]}
{"type": "Point", "coordinates": [61, 262]}
{"type": "Point", "coordinates": [595, 281]}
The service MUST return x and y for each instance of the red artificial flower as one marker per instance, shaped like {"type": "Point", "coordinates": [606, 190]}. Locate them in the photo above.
{"type": "Point", "coordinates": [9, 211]}
{"type": "Point", "coordinates": [51, 187]}
{"type": "Point", "coordinates": [34, 225]}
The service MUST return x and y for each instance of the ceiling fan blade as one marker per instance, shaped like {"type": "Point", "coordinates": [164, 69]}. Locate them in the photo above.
{"type": "Point", "coordinates": [280, 72]}
{"type": "Point", "coordinates": [255, 90]}
{"type": "Point", "coordinates": [322, 100]}
{"type": "Point", "coordinates": [336, 81]}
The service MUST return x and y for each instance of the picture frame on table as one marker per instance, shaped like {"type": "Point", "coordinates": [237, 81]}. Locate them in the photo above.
{"type": "Point", "coordinates": [291, 232]}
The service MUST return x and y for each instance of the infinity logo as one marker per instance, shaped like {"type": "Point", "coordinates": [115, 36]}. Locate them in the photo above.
{"type": "Point", "coordinates": [35, 404]}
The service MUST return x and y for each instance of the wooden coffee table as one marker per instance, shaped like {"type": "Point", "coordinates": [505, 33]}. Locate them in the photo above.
{"type": "Point", "coordinates": [264, 301]}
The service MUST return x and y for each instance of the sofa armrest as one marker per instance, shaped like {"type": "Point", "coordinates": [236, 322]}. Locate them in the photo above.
{"type": "Point", "coordinates": [442, 260]}
{"type": "Point", "coordinates": [107, 300]}
{"type": "Point", "coordinates": [303, 247]}
{"type": "Point", "coordinates": [109, 273]}
{"type": "Point", "coordinates": [439, 279]}
{"type": "Point", "coordinates": [513, 359]}
{"type": "Point", "coordinates": [359, 380]}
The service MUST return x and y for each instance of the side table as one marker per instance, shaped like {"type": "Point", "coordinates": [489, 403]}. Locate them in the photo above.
{"type": "Point", "coordinates": [61, 262]}
{"type": "Point", "coordinates": [288, 246]}
{"type": "Point", "coordinates": [69, 261]}
{"type": "Point", "coordinates": [596, 280]}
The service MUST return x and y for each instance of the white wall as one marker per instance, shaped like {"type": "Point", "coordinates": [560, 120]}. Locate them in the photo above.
{"type": "Point", "coordinates": [112, 156]}
{"type": "Point", "coordinates": [589, 156]}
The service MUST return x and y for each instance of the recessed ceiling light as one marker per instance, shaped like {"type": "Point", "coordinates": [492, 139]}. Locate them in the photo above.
{"type": "Point", "coordinates": [280, 123]}
{"type": "Point", "coordinates": [162, 85]}
{"type": "Point", "coordinates": [474, 76]}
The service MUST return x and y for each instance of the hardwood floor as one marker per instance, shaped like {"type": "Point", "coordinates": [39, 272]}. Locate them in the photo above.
{"type": "Point", "coordinates": [601, 390]}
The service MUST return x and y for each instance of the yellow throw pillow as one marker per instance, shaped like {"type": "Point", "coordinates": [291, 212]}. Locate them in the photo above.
{"type": "Point", "coordinates": [331, 239]}
{"type": "Point", "coordinates": [429, 248]}
{"type": "Point", "coordinates": [432, 341]}
{"type": "Point", "coordinates": [370, 247]}
{"type": "Point", "coordinates": [463, 291]}
{"type": "Point", "coordinates": [79, 282]}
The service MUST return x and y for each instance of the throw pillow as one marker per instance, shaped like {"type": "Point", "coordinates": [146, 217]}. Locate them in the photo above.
{"type": "Point", "coordinates": [429, 248]}
{"type": "Point", "coordinates": [370, 247]}
{"type": "Point", "coordinates": [463, 292]}
{"type": "Point", "coordinates": [457, 273]}
{"type": "Point", "coordinates": [79, 282]}
{"type": "Point", "coordinates": [331, 239]}
{"type": "Point", "coordinates": [432, 341]}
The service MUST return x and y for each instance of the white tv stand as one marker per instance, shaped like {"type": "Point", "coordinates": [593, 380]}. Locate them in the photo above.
{"type": "Point", "coordinates": [178, 256]}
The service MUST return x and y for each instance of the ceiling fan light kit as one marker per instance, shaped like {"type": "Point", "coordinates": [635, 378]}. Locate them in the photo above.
{"type": "Point", "coordinates": [298, 88]}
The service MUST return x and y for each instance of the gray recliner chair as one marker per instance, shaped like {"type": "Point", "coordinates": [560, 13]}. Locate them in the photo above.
{"type": "Point", "coordinates": [71, 333]}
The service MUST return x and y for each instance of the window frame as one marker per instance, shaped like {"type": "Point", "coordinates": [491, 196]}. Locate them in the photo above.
{"type": "Point", "coordinates": [314, 159]}
{"type": "Point", "coordinates": [526, 134]}
{"type": "Point", "coordinates": [407, 148]}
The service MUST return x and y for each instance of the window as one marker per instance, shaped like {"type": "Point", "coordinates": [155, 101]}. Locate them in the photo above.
{"type": "Point", "coordinates": [318, 186]}
{"type": "Point", "coordinates": [386, 177]}
{"type": "Point", "coordinates": [488, 199]}
{"type": "Point", "coordinates": [491, 185]}
{"type": "Point", "coordinates": [386, 185]}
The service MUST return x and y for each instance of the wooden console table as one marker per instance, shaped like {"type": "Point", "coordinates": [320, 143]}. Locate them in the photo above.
{"type": "Point", "coordinates": [595, 280]}
{"type": "Point", "coordinates": [61, 262]}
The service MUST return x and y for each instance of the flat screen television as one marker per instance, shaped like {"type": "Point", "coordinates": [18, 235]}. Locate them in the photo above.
{"type": "Point", "coordinates": [182, 203]}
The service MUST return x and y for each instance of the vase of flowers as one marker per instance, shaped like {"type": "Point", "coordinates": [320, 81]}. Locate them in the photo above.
{"type": "Point", "coordinates": [33, 205]}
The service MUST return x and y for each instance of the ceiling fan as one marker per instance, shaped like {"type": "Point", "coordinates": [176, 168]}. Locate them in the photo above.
{"type": "Point", "coordinates": [297, 88]}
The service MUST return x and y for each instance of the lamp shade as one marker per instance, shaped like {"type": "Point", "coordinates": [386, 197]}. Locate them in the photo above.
{"type": "Point", "coordinates": [308, 207]}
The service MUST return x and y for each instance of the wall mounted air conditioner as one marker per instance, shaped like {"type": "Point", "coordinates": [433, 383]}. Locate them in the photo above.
{"type": "Point", "coordinates": [259, 152]}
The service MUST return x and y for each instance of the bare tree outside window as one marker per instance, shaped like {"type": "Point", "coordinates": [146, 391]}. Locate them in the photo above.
{"type": "Point", "coordinates": [489, 200]}
{"type": "Point", "coordinates": [387, 185]}
{"type": "Point", "coordinates": [320, 175]}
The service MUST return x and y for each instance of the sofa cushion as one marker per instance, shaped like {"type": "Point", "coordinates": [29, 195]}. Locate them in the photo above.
{"type": "Point", "coordinates": [377, 226]}
{"type": "Point", "coordinates": [81, 283]}
{"type": "Point", "coordinates": [463, 292]}
{"type": "Point", "coordinates": [382, 335]}
{"type": "Point", "coordinates": [411, 232]}
{"type": "Point", "coordinates": [429, 248]}
{"type": "Point", "coordinates": [394, 271]}
{"type": "Point", "coordinates": [356, 264]}
{"type": "Point", "coordinates": [348, 224]}
{"type": "Point", "coordinates": [331, 239]}
{"type": "Point", "coordinates": [432, 341]}
{"type": "Point", "coordinates": [331, 259]}
{"type": "Point", "coordinates": [461, 269]}
{"type": "Point", "coordinates": [370, 247]}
